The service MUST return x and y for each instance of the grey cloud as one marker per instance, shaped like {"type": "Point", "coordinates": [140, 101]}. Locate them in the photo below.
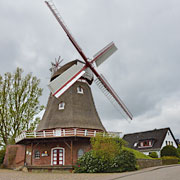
{"type": "Point", "coordinates": [144, 71]}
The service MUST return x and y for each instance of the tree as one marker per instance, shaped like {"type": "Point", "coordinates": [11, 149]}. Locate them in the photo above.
{"type": "Point", "coordinates": [178, 150]}
{"type": "Point", "coordinates": [169, 151]}
{"type": "Point", "coordinates": [107, 147]}
{"type": "Point", "coordinates": [19, 103]}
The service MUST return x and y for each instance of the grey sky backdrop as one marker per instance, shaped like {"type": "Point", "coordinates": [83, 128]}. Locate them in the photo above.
{"type": "Point", "coordinates": [144, 71]}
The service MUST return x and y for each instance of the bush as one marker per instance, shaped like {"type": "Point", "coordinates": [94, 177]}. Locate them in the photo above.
{"type": "Point", "coordinates": [107, 155]}
{"type": "Point", "coordinates": [89, 163]}
{"type": "Point", "coordinates": [125, 161]}
{"type": "Point", "coordinates": [2, 154]}
{"type": "Point", "coordinates": [153, 154]}
{"type": "Point", "coordinates": [169, 151]}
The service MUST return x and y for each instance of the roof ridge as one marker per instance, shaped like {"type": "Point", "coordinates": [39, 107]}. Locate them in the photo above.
{"type": "Point", "coordinates": [148, 131]}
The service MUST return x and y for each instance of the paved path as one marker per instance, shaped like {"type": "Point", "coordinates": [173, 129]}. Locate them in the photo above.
{"type": "Point", "coordinates": [156, 173]}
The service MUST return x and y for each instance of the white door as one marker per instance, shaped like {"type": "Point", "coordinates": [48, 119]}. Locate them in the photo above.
{"type": "Point", "coordinates": [58, 157]}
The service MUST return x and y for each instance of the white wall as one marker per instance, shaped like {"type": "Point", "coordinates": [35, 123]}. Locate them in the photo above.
{"type": "Point", "coordinates": [169, 138]}
{"type": "Point", "coordinates": [147, 153]}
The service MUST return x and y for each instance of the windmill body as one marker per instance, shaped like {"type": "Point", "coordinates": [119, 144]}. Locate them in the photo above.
{"type": "Point", "coordinates": [78, 109]}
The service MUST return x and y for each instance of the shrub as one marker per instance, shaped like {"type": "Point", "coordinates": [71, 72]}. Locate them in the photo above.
{"type": "Point", "coordinates": [106, 155]}
{"type": "Point", "coordinates": [2, 154]}
{"type": "Point", "coordinates": [89, 163]}
{"type": "Point", "coordinates": [125, 161]}
{"type": "Point", "coordinates": [153, 154]}
{"type": "Point", "coordinates": [169, 151]}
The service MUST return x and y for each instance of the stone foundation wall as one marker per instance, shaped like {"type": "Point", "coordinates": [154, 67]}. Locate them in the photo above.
{"type": "Point", "coordinates": [145, 163]}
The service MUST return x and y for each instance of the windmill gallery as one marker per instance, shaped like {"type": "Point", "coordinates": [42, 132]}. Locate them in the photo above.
{"type": "Point", "coordinates": [70, 118]}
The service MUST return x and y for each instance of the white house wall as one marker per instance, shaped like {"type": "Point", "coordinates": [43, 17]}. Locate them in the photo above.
{"type": "Point", "coordinates": [147, 153]}
{"type": "Point", "coordinates": [169, 138]}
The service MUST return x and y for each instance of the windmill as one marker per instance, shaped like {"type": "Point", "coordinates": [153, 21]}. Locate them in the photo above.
{"type": "Point", "coordinates": [60, 84]}
{"type": "Point", "coordinates": [70, 118]}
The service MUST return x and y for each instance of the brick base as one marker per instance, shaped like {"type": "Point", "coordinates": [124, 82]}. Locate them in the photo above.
{"type": "Point", "coordinates": [20, 155]}
{"type": "Point", "coordinates": [14, 156]}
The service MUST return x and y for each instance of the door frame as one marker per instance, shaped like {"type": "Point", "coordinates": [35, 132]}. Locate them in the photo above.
{"type": "Point", "coordinates": [52, 155]}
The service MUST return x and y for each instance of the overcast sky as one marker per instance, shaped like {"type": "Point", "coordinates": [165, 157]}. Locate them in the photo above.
{"type": "Point", "coordinates": [144, 71]}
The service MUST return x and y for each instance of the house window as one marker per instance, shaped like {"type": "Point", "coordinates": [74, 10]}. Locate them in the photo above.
{"type": "Point", "coordinates": [37, 154]}
{"type": "Point", "coordinates": [146, 143]}
{"type": "Point", "coordinates": [61, 105]}
{"type": "Point", "coordinates": [80, 90]}
{"type": "Point", "coordinates": [80, 153]}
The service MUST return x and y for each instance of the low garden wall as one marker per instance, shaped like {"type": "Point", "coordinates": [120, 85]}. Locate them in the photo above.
{"type": "Point", "coordinates": [145, 163]}
{"type": "Point", "coordinates": [168, 161]}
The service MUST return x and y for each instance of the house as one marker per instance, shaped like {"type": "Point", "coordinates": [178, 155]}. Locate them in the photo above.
{"type": "Point", "coordinates": [151, 141]}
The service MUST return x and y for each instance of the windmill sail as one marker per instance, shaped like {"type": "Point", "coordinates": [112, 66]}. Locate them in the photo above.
{"type": "Point", "coordinates": [108, 91]}
{"type": "Point", "coordinates": [60, 84]}
{"type": "Point", "coordinates": [103, 54]}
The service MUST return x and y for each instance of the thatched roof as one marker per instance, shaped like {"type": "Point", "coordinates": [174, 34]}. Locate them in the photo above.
{"type": "Point", "coordinates": [79, 111]}
{"type": "Point", "coordinates": [68, 65]}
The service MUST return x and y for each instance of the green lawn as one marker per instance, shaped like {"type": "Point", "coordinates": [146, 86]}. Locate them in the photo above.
{"type": "Point", "coordinates": [138, 154]}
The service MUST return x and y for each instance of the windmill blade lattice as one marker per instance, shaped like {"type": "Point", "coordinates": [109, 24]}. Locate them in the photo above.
{"type": "Point", "coordinates": [99, 58]}
{"type": "Point", "coordinates": [112, 96]}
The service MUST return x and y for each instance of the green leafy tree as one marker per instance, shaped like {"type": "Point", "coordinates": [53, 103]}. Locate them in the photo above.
{"type": "Point", "coordinates": [178, 150]}
{"type": "Point", "coordinates": [106, 147]}
{"type": "Point", "coordinates": [19, 103]}
{"type": "Point", "coordinates": [169, 151]}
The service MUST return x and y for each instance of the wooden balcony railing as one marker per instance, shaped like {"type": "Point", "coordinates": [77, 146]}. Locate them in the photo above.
{"type": "Point", "coordinates": [68, 132]}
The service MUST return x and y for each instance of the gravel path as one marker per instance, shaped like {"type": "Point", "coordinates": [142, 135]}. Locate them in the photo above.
{"type": "Point", "coordinates": [19, 175]}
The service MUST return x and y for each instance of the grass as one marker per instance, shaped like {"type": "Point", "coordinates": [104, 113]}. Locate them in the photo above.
{"type": "Point", "coordinates": [138, 154]}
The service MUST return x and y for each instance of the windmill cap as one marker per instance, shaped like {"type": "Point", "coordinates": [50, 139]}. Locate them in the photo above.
{"type": "Point", "coordinates": [88, 78]}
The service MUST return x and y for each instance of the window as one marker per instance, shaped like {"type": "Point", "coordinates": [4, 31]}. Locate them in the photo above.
{"type": "Point", "coordinates": [61, 105]}
{"type": "Point", "coordinates": [135, 144]}
{"type": "Point", "coordinates": [146, 143]}
{"type": "Point", "coordinates": [80, 153]}
{"type": "Point", "coordinates": [80, 90]}
{"type": "Point", "coordinates": [37, 154]}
